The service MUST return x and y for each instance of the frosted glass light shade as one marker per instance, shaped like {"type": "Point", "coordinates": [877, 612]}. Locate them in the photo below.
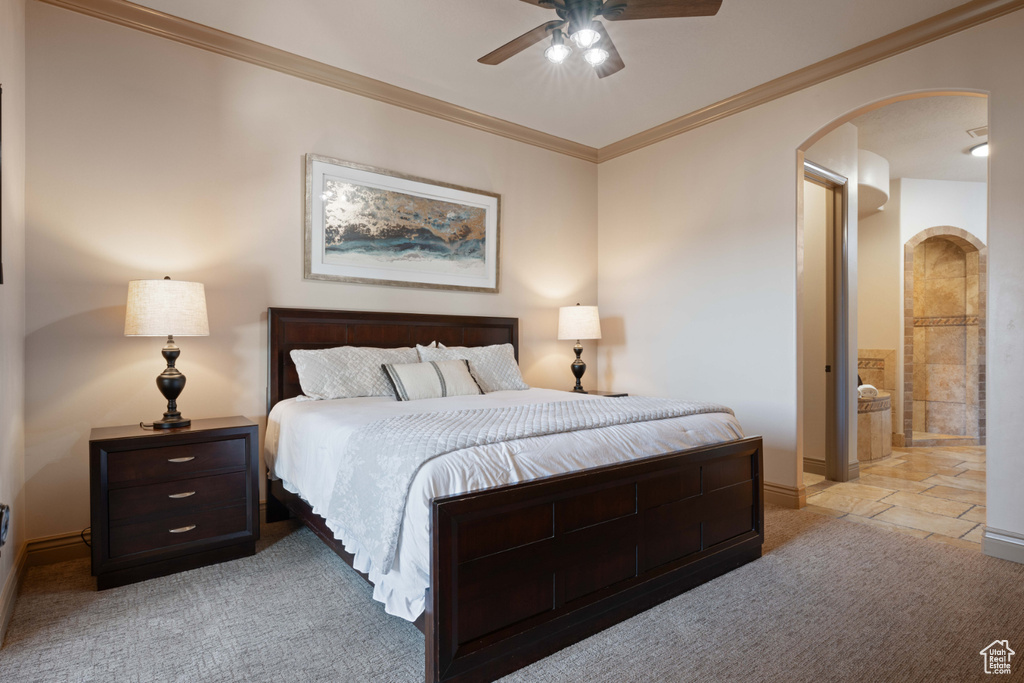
{"type": "Point", "coordinates": [595, 56]}
{"type": "Point", "coordinates": [579, 322]}
{"type": "Point", "coordinates": [557, 53]}
{"type": "Point", "coordinates": [585, 38]}
{"type": "Point", "coordinates": [159, 308]}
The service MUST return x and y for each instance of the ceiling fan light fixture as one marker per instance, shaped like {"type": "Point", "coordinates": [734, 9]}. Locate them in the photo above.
{"type": "Point", "coordinates": [559, 51]}
{"type": "Point", "coordinates": [595, 56]}
{"type": "Point", "coordinates": [980, 150]}
{"type": "Point", "coordinates": [585, 38]}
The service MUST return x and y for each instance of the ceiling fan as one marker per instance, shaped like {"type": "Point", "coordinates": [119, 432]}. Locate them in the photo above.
{"type": "Point", "coordinates": [580, 18]}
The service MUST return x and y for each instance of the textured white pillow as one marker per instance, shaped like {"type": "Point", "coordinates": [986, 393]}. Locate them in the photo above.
{"type": "Point", "coordinates": [494, 367]}
{"type": "Point", "coordinates": [347, 371]}
{"type": "Point", "coordinates": [435, 379]}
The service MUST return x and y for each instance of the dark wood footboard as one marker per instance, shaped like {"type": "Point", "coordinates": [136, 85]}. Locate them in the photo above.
{"type": "Point", "coordinates": [522, 571]}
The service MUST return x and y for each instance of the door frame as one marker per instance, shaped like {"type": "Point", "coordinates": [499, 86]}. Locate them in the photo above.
{"type": "Point", "coordinates": [837, 449]}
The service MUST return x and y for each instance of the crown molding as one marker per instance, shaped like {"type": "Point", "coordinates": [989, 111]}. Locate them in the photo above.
{"type": "Point", "coordinates": [190, 33]}
{"type": "Point", "coordinates": [941, 25]}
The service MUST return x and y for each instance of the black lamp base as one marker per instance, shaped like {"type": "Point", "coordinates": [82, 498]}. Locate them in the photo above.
{"type": "Point", "coordinates": [171, 383]}
{"type": "Point", "coordinates": [171, 424]}
{"type": "Point", "coordinates": [578, 367]}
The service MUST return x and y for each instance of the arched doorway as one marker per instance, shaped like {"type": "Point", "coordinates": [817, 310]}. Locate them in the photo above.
{"type": "Point", "coordinates": [918, 306]}
{"type": "Point", "coordinates": [846, 406]}
{"type": "Point", "coordinates": [944, 337]}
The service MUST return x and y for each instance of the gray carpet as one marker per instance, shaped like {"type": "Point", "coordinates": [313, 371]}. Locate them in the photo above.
{"type": "Point", "coordinates": [830, 601]}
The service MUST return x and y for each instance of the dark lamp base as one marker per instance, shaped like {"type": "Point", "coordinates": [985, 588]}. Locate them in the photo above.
{"type": "Point", "coordinates": [171, 424]}
{"type": "Point", "coordinates": [578, 390]}
{"type": "Point", "coordinates": [578, 367]}
{"type": "Point", "coordinates": [171, 383]}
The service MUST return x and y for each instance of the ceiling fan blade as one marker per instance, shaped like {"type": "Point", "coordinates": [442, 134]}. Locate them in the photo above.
{"type": "Point", "coordinates": [546, 4]}
{"type": "Point", "coordinates": [614, 63]}
{"type": "Point", "coordinates": [624, 10]}
{"type": "Point", "coordinates": [524, 41]}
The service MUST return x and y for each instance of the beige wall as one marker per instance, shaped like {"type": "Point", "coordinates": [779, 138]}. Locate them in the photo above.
{"type": "Point", "coordinates": [930, 203]}
{"type": "Point", "coordinates": [12, 292]}
{"type": "Point", "coordinates": [880, 290]}
{"type": "Point", "coordinates": [151, 158]}
{"type": "Point", "coordinates": [714, 281]}
{"type": "Point", "coordinates": [879, 287]}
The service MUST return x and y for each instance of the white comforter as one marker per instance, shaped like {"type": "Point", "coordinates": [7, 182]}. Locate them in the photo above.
{"type": "Point", "coordinates": [306, 441]}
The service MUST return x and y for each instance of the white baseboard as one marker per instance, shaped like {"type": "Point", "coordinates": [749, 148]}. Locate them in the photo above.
{"type": "Point", "coordinates": [9, 592]}
{"type": "Point", "coordinates": [1006, 545]}
{"type": "Point", "coordinates": [787, 496]}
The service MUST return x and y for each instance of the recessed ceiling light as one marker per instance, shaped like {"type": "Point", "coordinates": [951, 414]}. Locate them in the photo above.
{"type": "Point", "coordinates": [980, 150]}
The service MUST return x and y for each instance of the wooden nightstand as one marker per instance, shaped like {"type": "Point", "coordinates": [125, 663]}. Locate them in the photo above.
{"type": "Point", "coordinates": [164, 501]}
{"type": "Point", "coordinates": [608, 394]}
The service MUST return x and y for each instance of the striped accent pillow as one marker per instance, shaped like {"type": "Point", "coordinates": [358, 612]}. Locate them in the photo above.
{"type": "Point", "coordinates": [494, 367]}
{"type": "Point", "coordinates": [433, 379]}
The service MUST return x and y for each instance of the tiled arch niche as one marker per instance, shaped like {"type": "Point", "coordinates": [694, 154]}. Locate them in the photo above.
{"type": "Point", "coordinates": [935, 260]}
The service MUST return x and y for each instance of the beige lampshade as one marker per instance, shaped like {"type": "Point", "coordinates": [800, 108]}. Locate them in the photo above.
{"type": "Point", "coordinates": [158, 308]}
{"type": "Point", "coordinates": [579, 322]}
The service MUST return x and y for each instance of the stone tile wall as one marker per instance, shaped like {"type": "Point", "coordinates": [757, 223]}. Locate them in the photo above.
{"type": "Point", "coordinates": [944, 377]}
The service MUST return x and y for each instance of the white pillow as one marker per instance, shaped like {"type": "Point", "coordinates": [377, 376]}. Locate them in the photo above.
{"type": "Point", "coordinates": [494, 367]}
{"type": "Point", "coordinates": [347, 371]}
{"type": "Point", "coordinates": [434, 379]}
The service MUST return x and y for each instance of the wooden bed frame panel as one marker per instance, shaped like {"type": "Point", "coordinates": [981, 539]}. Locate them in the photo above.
{"type": "Point", "coordinates": [521, 571]}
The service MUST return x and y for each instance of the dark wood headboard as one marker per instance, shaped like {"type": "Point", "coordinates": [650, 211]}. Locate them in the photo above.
{"type": "Point", "coordinates": [304, 328]}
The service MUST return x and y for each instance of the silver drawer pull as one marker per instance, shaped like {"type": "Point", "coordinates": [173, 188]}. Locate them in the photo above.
{"type": "Point", "coordinates": [182, 495]}
{"type": "Point", "coordinates": [182, 529]}
{"type": "Point", "coordinates": [185, 459]}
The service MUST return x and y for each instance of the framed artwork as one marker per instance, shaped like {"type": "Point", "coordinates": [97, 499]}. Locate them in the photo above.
{"type": "Point", "coordinates": [368, 225]}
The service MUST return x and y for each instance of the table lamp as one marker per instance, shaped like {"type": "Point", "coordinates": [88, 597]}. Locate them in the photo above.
{"type": "Point", "coordinates": [167, 307]}
{"type": "Point", "coordinates": [578, 322]}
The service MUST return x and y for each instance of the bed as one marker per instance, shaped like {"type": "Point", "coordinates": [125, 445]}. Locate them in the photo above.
{"type": "Point", "coordinates": [519, 571]}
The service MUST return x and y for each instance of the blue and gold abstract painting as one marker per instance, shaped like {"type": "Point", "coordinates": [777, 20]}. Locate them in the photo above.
{"type": "Point", "coordinates": [372, 226]}
{"type": "Point", "coordinates": [366, 225]}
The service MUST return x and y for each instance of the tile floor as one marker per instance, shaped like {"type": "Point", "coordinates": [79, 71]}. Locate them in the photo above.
{"type": "Point", "coordinates": [936, 493]}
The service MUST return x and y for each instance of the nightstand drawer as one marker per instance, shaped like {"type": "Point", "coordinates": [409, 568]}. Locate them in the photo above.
{"type": "Point", "coordinates": [175, 461]}
{"type": "Point", "coordinates": [178, 529]}
{"type": "Point", "coordinates": [176, 497]}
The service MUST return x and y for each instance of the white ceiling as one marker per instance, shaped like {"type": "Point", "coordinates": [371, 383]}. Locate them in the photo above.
{"type": "Point", "coordinates": [927, 138]}
{"type": "Point", "coordinates": [673, 66]}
